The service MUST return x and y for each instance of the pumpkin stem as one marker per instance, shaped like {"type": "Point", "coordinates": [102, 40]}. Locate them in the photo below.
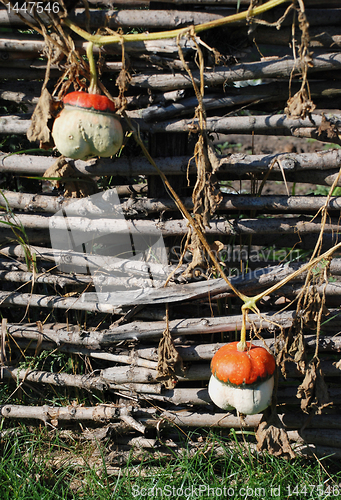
{"type": "Point", "coordinates": [241, 346]}
{"type": "Point", "coordinates": [93, 87]}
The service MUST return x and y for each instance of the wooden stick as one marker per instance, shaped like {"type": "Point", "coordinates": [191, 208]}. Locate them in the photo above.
{"type": "Point", "coordinates": [113, 19]}
{"type": "Point", "coordinates": [48, 278]}
{"type": "Point", "coordinates": [249, 94]}
{"type": "Point", "coordinates": [124, 3]}
{"type": "Point", "coordinates": [227, 420]}
{"type": "Point", "coordinates": [156, 105]}
{"type": "Point", "coordinates": [200, 352]}
{"type": "Point", "coordinates": [66, 280]}
{"type": "Point", "coordinates": [223, 2]}
{"type": "Point", "coordinates": [163, 82]}
{"type": "Point", "coordinates": [179, 227]}
{"type": "Point", "coordinates": [99, 413]}
{"type": "Point", "coordinates": [327, 37]}
{"type": "Point", "coordinates": [262, 124]}
{"type": "Point", "coordinates": [267, 204]}
{"type": "Point", "coordinates": [281, 68]}
{"type": "Point", "coordinates": [55, 302]}
{"type": "Point", "coordinates": [150, 418]}
{"type": "Point", "coordinates": [88, 382]}
{"type": "Point", "coordinates": [331, 289]}
{"type": "Point", "coordinates": [120, 376]}
{"type": "Point", "coordinates": [128, 374]}
{"type": "Point", "coordinates": [236, 164]}
{"type": "Point", "coordinates": [312, 450]}
{"type": "Point", "coordinates": [138, 330]}
{"type": "Point", "coordinates": [20, 95]}
{"type": "Point", "coordinates": [200, 397]}
{"type": "Point", "coordinates": [324, 437]}
{"type": "Point", "coordinates": [252, 281]}
{"type": "Point", "coordinates": [14, 125]}
{"type": "Point", "coordinates": [12, 265]}
{"type": "Point", "coordinates": [197, 372]}
{"type": "Point", "coordinates": [147, 357]}
{"type": "Point", "coordinates": [83, 261]}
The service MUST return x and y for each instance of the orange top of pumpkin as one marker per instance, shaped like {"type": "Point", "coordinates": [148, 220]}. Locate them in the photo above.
{"type": "Point", "coordinates": [90, 101]}
{"type": "Point", "coordinates": [231, 366]}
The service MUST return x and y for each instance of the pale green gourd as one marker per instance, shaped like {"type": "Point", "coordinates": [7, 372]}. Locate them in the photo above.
{"type": "Point", "coordinates": [81, 133]}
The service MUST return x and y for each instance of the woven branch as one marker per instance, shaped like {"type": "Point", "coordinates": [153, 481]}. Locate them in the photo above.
{"type": "Point", "coordinates": [132, 206]}
{"type": "Point", "coordinates": [233, 227]}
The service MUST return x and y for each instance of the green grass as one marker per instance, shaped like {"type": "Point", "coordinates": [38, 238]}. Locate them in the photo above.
{"type": "Point", "coordinates": [41, 465]}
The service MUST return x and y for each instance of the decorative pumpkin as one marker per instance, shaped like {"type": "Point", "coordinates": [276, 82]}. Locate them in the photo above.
{"type": "Point", "coordinates": [87, 127]}
{"type": "Point", "coordinates": [243, 380]}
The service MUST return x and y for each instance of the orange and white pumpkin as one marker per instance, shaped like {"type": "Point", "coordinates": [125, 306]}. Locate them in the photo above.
{"type": "Point", "coordinates": [243, 380]}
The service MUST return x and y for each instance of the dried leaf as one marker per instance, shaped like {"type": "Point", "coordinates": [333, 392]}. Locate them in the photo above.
{"type": "Point", "coordinates": [123, 81]}
{"type": "Point", "coordinates": [214, 161]}
{"type": "Point", "coordinates": [206, 195]}
{"type": "Point", "coordinates": [74, 186]}
{"type": "Point", "coordinates": [327, 129]}
{"type": "Point", "coordinates": [297, 352]}
{"type": "Point", "coordinates": [39, 129]}
{"type": "Point", "coordinates": [312, 308]}
{"type": "Point", "coordinates": [313, 391]}
{"type": "Point", "coordinates": [293, 349]}
{"type": "Point", "coordinates": [198, 262]}
{"type": "Point", "coordinates": [217, 246]}
{"type": "Point", "coordinates": [299, 105]}
{"type": "Point", "coordinates": [272, 437]}
{"type": "Point", "coordinates": [168, 358]}
{"type": "Point", "coordinates": [57, 169]}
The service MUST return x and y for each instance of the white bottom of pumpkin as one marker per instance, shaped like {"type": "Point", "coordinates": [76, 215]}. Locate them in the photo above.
{"type": "Point", "coordinates": [248, 401]}
{"type": "Point", "coordinates": [81, 134]}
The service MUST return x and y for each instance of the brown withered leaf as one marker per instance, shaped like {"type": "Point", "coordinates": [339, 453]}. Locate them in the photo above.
{"type": "Point", "coordinates": [206, 197]}
{"type": "Point", "coordinates": [198, 262]}
{"type": "Point", "coordinates": [217, 246]}
{"type": "Point", "coordinates": [299, 105]}
{"type": "Point", "coordinates": [313, 392]}
{"type": "Point", "coordinates": [168, 358]}
{"type": "Point", "coordinates": [312, 309]}
{"type": "Point", "coordinates": [297, 351]}
{"type": "Point", "coordinates": [62, 172]}
{"type": "Point", "coordinates": [293, 349]}
{"type": "Point", "coordinates": [272, 437]}
{"type": "Point", "coordinates": [327, 129]}
{"type": "Point", "coordinates": [123, 81]}
{"type": "Point", "coordinates": [57, 169]}
{"type": "Point", "coordinates": [39, 129]}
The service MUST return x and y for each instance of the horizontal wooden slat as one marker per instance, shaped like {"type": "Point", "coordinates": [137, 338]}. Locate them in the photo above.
{"type": "Point", "coordinates": [137, 206]}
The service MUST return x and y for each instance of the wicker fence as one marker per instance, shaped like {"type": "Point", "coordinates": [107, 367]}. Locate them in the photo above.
{"type": "Point", "coordinates": [85, 305]}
